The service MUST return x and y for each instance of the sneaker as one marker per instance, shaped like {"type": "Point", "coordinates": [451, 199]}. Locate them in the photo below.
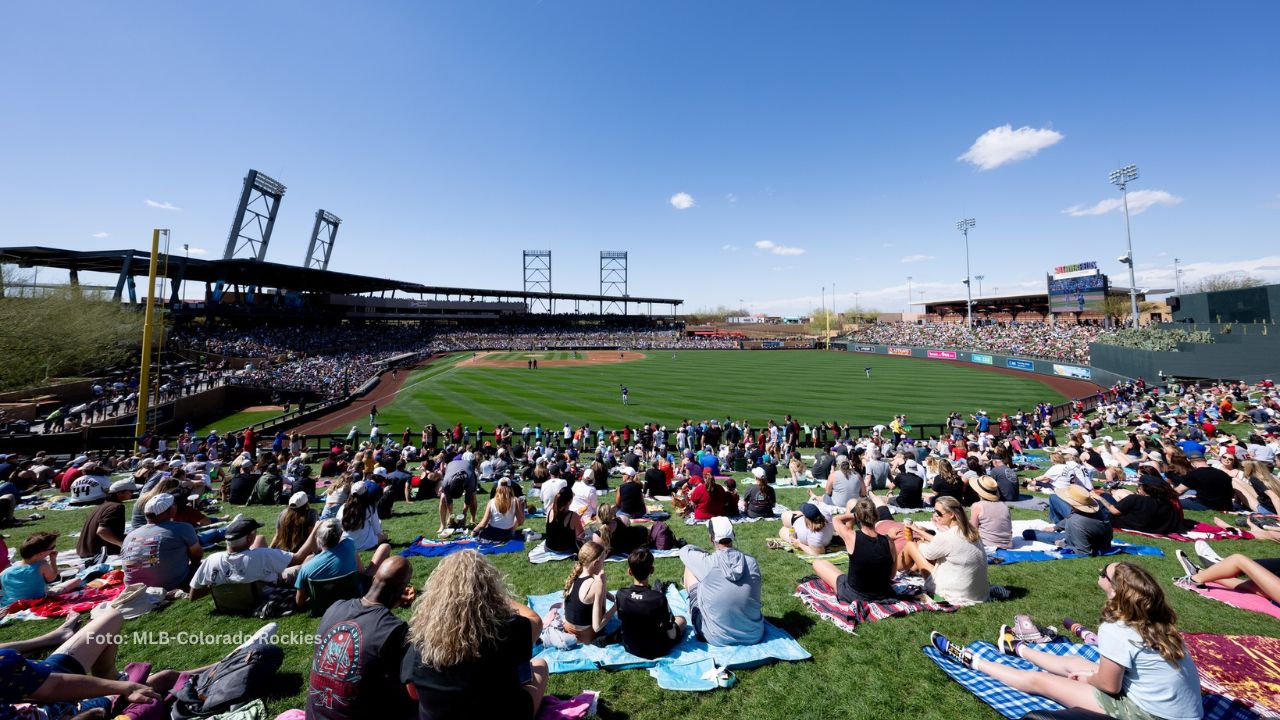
{"type": "Point", "coordinates": [1186, 582]}
{"type": "Point", "coordinates": [262, 637]}
{"type": "Point", "coordinates": [1188, 568]}
{"type": "Point", "coordinates": [1006, 642]}
{"type": "Point", "coordinates": [962, 655]}
{"type": "Point", "coordinates": [1206, 553]}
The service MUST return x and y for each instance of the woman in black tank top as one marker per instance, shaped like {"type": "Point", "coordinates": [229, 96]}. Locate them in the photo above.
{"type": "Point", "coordinates": [872, 564]}
{"type": "Point", "coordinates": [564, 527]}
{"type": "Point", "coordinates": [585, 595]}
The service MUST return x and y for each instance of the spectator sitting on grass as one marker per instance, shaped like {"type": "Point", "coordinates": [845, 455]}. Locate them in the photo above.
{"type": "Point", "coordinates": [648, 628]}
{"type": "Point", "coordinates": [104, 528]}
{"type": "Point", "coordinates": [163, 552]}
{"type": "Point", "coordinates": [247, 559]}
{"type": "Point", "coordinates": [724, 589]}
{"type": "Point", "coordinates": [337, 557]}
{"type": "Point", "coordinates": [30, 578]}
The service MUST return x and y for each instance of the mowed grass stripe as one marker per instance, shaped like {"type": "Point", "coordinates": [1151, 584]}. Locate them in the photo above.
{"type": "Point", "coordinates": [759, 386]}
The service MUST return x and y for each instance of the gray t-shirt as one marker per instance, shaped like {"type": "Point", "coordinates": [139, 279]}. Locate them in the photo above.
{"type": "Point", "coordinates": [725, 603]}
{"type": "Point", "coordinates": [878, 470]}
{"type": "Point", "coordinates": [156, 554]}
{"type": "Point", "coordinates": [1087, 534]}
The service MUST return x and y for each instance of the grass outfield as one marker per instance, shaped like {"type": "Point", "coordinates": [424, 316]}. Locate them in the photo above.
{"type": "Point", "coordinates": [237, 421]}
{"type": "Point", "coordinates": [759, 386]}
{"type": "Point", "coordinates": [877, 673]}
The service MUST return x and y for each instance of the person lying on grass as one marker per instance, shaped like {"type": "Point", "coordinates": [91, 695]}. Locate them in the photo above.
{"type": "Point", "coordinates": [1145, 670]}
{"type": "Point", "coordinates": [808, 531]}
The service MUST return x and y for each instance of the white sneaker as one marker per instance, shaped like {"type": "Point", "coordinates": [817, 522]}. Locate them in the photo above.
{"type": "Point", "coordinates": [1206, 553]}
{"type": "Point", "coordinates": [262, 637]}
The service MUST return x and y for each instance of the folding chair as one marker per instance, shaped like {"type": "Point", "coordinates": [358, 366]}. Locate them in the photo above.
{"type": "Point", "coordinates": [326, 592]}
{"type": "Point", "coordinates": [237, 598]}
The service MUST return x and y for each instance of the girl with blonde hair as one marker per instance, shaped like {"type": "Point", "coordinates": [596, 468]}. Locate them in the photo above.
{"type": "Point", "coordinates": [502, 517]}
{"type": "Point", "coordinates": [585, 595]}
{"type": "Point", "coordinates": [1144, 671]}
{"type": "Point", "coordinates": [471, 644]}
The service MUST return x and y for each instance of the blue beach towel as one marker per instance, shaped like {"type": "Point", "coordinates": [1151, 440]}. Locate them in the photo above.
{"type": "Point", "coordinates": [774, 646]}
{"type": "Point", "coordinates": [422, 547]}
{"type": "Point", "coordinates": [1009, 557]}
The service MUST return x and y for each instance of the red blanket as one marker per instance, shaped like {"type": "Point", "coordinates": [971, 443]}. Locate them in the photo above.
{"type": "Point", "coordinates": [59, 605]}
{"type": "Point", "coordinates": [1199, 531]}
{"type": "Point", "coordinates": [1241, 667]}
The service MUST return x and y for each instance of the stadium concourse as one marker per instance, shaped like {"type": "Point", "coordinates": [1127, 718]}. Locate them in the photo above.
{"type": "Point", "coordinates": [795, 541]}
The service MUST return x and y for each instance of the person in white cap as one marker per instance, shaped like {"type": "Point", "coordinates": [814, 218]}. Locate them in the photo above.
{"type": "Point", "coordinates": [104, 528]}
{"type": "Point", "coordinates": [246, 560]}
{"type": "Point", "coordinates": [724, 589]}
{"type": "Point", "coordinates": [163, 553]}
{"type": "Point", "coordinates": [295, 523]}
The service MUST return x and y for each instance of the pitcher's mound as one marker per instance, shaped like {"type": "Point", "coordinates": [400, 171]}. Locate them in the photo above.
{"type": "Point", "coordinates": [589, 357]}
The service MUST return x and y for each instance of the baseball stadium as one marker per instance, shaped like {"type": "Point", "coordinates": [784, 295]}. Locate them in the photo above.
{"type": "Point", "coordinates": [238, 486]}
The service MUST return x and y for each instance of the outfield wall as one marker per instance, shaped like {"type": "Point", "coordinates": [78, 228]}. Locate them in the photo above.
{"type": "Point", "coordinates": [1036, 366]}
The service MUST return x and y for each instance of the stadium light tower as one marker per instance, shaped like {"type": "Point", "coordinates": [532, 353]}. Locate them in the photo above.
{"type": "Point", "coordinates": [909, 293]}
{"type": "Point", "coordinates": [979, 278]}
{"type": "Point", "coordinates": [1121, 179]}
{"type": "Point", "coordinates": [963, 226]}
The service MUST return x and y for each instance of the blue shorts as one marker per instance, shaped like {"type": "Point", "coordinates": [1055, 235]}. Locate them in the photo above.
{"type": "Point", "coordinates": [64, 663]}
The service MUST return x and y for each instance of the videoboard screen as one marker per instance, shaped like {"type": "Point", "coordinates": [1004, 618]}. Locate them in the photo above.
{"type": "Point", "coordinates": [1087, 293]}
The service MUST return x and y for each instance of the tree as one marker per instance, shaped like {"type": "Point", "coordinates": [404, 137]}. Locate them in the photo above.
{"type": "Point", "coordinates": [1117, 307]}
{"type": "Point", "coordinates": [1225, 281]}
{"type": "Point", "coordinates": [860, 315]}
{"type": "Point", "coordinates": [822, 320]}
{"type": "Point", "coordinates": [60, 332]}
{"type": "Point", "coordinates": [716, 314]}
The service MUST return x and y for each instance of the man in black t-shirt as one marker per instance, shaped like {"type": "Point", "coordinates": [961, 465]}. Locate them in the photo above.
{"type": "Point", "coordinates": [910, 486]}
{"type": "Point", "coordinates": [240, 486]}
{"type": "Point", "coordinates": [655, 481]}
{"type": "Point", "coordinates": [1006, 479]}
{"type": "Point", "coordinates": [355, 670]}
{"type": "Point", "coordinates": [648, 628]}
{"type": "Point", "coordinates": [1212, 486]}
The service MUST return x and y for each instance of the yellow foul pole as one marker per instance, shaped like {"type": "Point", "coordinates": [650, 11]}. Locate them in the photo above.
{"type": "Point", "coordinates": [144, 375]}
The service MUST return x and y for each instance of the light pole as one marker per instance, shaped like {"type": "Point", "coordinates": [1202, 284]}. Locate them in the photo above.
{"type": "Point", "coordinates": [857, 309]}
{"type": "Point", "coordinates": [963, 226]}
{"type": "Point", "coordinates": [1177, 277]}
{"type": "Point", "coordinates": [908, 293]}
{"type": "Point", "coordinates": [979, 279]}
{"type": "Point", "coordinates": [1121, 179]}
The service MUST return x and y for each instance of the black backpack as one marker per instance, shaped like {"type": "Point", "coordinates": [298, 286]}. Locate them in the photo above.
{"type": "Point", "coordinates": [241, 677]}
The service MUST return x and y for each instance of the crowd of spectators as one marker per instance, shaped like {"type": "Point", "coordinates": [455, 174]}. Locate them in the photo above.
{"type": "Point", "coordinates": [554, 338]}
{"type": "Point", "coordinates": [1156, 339]}
{"type": "Point", "coordinates": [1054, 341]}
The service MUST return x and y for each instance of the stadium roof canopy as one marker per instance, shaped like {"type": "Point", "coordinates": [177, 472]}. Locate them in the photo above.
{"type": "Point", "coordinates": [252, 273]}
{"type": "Point", "coordinates": [1041, 296]}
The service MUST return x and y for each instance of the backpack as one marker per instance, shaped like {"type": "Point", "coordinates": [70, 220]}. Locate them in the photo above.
{"type": "Point", "coordinates": [661, 537]}
{"type": "Point", "coordinates": [267, 490]}
{"type": "Point", "coordinates": [238, 678]}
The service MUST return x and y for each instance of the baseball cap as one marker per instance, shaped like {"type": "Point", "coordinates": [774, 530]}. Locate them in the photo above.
{"type": "Point", "coordinates": [122, 486]}
{"type": "Point", "coordinates": [628, 470]}
{"type": "Point", "coordinates": [80, 460]}
{"type": "Point", "coordinates": [912, 466]}
{"type": "Point", "coordinates": [721, 529]}
{"type": "Point", "coordinates": [810, 511]}
{"type": "Point", "coordinates": [298, 500]}
{"type": "Point", "coordinates": [159, 504]}
{"type": "Point", "coordinates": [175, 463]}
{"type": "Point", "coordinates": [241, 527]}
{"type": "Point", "coordinates": [380, 471]}
{"type": "Point", "coordinates": [758, 472]}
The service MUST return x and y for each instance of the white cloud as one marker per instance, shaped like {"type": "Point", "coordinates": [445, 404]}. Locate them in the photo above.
{"type": "Point", "coordinates": [731, 198]}
{"type": "Point", "coordinates": [101, 235]}
{"type": "Point", "coordinates": [196, 251]}
{"type": "Point", "coordinates": [887, 245]}
{"type": "Point", "coordinates": [1002, 145]}
{"type": "Point", "coordinates": [1267, 268]}
{"type": "Point", "coordinates": [729, 248]}
{"type": "Point", "coordinates": [777, 249]}
{"type": "Point", "coordinates": [682, 201]}
{"type": "Point", "coordinates": [917, 258]}
{"type": "Point", "coordinates": [1139, 200]}
{"type": "Point", "coordinates": [161, 205]}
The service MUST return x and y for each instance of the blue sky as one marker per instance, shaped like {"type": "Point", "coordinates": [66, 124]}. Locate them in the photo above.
{"type": "Point", "coordinates": [820, 143]}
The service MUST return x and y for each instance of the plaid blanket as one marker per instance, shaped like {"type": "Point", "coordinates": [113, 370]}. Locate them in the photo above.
{"type": "Point", "coordinates": [1015, 704]}
{"type": "Point", "coordinates": [1199, 531]}
{"type": "Point", "coordinates": [821, 598]}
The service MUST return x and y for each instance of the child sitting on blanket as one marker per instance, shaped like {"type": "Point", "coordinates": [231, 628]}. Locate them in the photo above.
{"type": "Point", "coordinates": [648, 628]}
{"type": "Point", "coordinates": [29, 579]}
{"type": "Point", "coordinates": [585, 595]}
{"type": "Point", "coordinates": [1145, 669]}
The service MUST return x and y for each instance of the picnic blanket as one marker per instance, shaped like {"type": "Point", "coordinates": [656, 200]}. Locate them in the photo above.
{"type": "Point", "coordinates": [1041, 550]}
{"type": "Point", "coordinates": [55, 606]}
{"type": "Point", "coordinates": [1243, 600]}
{"type": "Point", "coordinates": [1240, 667]}
{"type": "Point", "coordinates": [673, 672]}
{"type": "Point", "coordinates": [1199, 531]}
{"type": "Point", "coordinates": [422, 547]}
{"type": "Point", "coordinates": [1015, 704]}
{"type": "Point", "coordinates": [540, 554]}
{"type": "Point", "coordinates": [821, 598]}
{"type": "Point", "coordinates": [579, 706]}
{"type": "Point", "coordinates": [777, 515]}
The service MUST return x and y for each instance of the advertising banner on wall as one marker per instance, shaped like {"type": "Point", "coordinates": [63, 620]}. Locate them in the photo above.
{"type": "Point", "coordinates": [941, 354]}
{"type": "Point", "coordinates": [900, 351]}
{"type": "Point", "coordinates": [864, 348]}
{"type": "Point", "coordinates": [981, 359]}
{"type": "Point", "coordinates": [1019, 364]}
{"type": "Point", "coordinates": [1072, 371]}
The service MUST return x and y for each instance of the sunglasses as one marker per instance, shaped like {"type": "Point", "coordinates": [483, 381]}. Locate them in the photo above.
{"type": "Point", "coordinates": [1102, 574]}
